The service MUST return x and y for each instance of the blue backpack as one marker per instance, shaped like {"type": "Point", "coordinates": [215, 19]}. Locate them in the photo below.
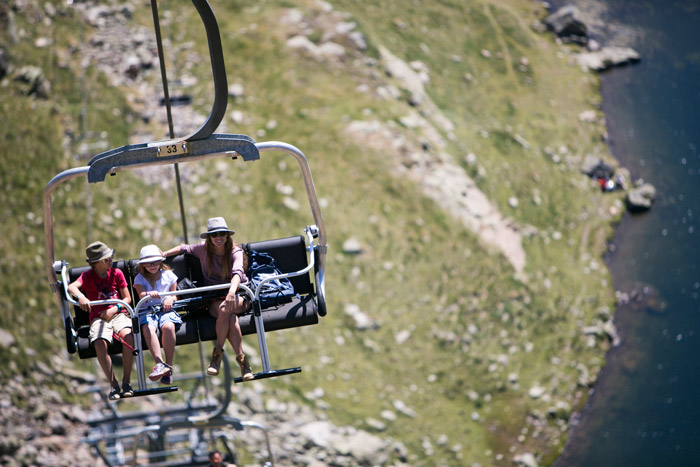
{"type": "Point", "coordinates": [274, 292]}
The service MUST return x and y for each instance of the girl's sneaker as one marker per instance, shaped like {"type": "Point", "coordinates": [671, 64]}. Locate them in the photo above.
{"type": "Point", "coordinates": [167, 379]}
{"type": "Point", "coordinates": [160, 370]}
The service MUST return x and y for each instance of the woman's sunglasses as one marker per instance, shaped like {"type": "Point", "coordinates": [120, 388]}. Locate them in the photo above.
{"type": "Point", "coordinates": [107, 260]}
{"type": "Point", "coordinates": [218, 234]}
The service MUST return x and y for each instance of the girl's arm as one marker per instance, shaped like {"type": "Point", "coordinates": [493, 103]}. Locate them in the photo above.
{"type": "Point", "coordinates": [141, 291]}
{"type": "Point", "coordinates": [170, 299]}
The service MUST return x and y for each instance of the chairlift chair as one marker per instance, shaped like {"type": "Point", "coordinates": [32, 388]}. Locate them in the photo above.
{"type": "Point", "coordinates": [201, 145]}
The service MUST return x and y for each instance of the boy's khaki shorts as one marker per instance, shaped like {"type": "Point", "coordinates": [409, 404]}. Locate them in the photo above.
{"type": "Point", "coordinates": [101, 329]}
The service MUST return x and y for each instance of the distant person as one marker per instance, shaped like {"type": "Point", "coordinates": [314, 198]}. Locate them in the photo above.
{"type": "Point", "coordinates": [222, 262]}
{"type": "Point", "coordinates": [103, 282]}
{"type": "Point", "coordinates": [154, 278]}
{"type": "Point", "coordinates": [216, 460]}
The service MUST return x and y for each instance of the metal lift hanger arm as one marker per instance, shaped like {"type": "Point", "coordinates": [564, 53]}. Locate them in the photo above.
{"type": "Point", "coordinates": [169, 152]}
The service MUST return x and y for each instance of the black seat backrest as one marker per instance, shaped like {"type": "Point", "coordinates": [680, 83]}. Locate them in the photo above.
{"type": "Point", "coordinates": [186, 266]}
{"type": "Point", "coordinates": [183, 265]}
{"type": "Point", "coordinates": [290, 255]}
{"type": "Point", "coordinates": [82, 317]}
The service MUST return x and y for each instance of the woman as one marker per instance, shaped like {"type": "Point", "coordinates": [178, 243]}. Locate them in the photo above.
{"type": "Point", "coordinates": [222, 262]}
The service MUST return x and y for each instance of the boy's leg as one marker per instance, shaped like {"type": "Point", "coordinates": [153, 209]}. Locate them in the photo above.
{"type": "Point", "coordinates": [122, 326]}
{"type": "Point", "coordinates": [100, 337]}
{"type": "Point", "coordinates": [105, 361]}
{"type": "Point", "coordinates": [127, 357]}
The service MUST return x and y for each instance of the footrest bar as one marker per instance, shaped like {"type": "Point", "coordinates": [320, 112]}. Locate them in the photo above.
{"type": "Point", "coordinates": [270, 374]}
{"type": "Point", "coordinates": [150, 392]}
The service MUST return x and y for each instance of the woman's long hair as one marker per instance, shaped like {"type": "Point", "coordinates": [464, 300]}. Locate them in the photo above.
{"type": "Point", "coordinates": [152, 278]}
{"type": "Point", "coordinates": [226, 264]}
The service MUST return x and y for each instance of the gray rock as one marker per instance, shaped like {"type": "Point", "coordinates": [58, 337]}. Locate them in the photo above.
{"type": "Point", "coordinates": [607, 57]}
{"type": "Point", "coordinates": [567, 24]}
{"type": "Point", "coordinates": [6, 339]}
{"type": "Point", "coordinates": [526, 459]}
{"type": "Point", "coordinates": [27, 454]}
{"type": "Point", "coordinates": [362, 321]}
{"type": "Point", "coordinates": [364, 448]}
{"type": "Point", "coordinates": [9, 444]}
{"type": "Point", "coordinates": [352, 246]}
{"type": "Point", "coordinates": [37, 84]}
{"type": "Point", "coordinates": [405, 75]}
{"type": "Point", "coordinates": [56, 423]}
{"type": "Point", "coordinates": [318, 434]}
{"type": "Point", "coordinates": [641, 198]}
{"type": "Point", "coordinates": [236, 90]}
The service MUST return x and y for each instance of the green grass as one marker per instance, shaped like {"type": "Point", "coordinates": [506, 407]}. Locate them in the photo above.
{"type": "Point", "coordinates": [471, 323]}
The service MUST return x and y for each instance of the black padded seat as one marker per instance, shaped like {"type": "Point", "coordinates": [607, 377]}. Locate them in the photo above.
{"type": "Point", "coordinates": [301, 311]}
{"type": "Point", "coordinates": [81, 318]}
{"type": "Point", "coordinates": [290, 255]}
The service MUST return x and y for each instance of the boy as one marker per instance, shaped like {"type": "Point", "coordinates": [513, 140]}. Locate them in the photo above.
{"type": "Point", "coordinates": [102, 282]}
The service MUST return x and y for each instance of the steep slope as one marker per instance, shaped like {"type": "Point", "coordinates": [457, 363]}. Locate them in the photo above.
{"type": "Point", "coordinates": [444, 138]}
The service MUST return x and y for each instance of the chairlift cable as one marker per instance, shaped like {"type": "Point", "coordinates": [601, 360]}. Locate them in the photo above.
{"type": "Point", "coordinates": [168, 108]}
{"type": "Point", "coordinates": [166, 96]}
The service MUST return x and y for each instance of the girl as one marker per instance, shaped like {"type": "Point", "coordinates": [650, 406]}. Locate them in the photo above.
{"type": "Point", "coordinates": [153, 278]}
{"type": "Point", "coordinates": [222, 263]}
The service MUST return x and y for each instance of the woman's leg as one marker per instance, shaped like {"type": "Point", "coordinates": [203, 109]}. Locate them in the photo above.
{"type": "Point", "coordinates": [222, 329]}
{"type": "Point", "coordinates": [235, 336]}
{"type": "Point", "coordinates": [222, 322]}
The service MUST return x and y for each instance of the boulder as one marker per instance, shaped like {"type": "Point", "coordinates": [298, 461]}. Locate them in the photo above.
{"type": "Point", "coordinates": [7, 340]}
{"type": "Point", "coordinates": [37, 84]}
{"type": "Point", "coordinates": [641, 198]}
{"type": "Point", "coordinates": [607, 57]}
{"type": "Point", "coordinates": [567, 24]}
{"type": "Point", "coordinates": [526, 460]}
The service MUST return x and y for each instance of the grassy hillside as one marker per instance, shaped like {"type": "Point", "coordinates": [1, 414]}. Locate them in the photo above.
{"type": "Point", "coordinates": [460, 338]}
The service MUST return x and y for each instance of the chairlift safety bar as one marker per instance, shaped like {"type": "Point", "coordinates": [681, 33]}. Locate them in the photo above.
{"type": "Point", "coordinates": [143, 155]}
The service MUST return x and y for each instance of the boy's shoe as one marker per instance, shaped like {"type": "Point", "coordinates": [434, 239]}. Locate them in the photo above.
{"type": "Point", "coordinates": [115, 394]}
{"type": "Point", "coordinates": [127, 390]}
{"type": "Point", "coordinates": [167, 379]}
{"type": "Point", "coordinates": [160, 370]}
{"type": "Point", "coordinates": [215, 363]}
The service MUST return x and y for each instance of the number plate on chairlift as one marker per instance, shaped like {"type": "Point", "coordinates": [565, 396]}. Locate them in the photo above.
{"type": "Point", "coordinates": [172, 149]}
